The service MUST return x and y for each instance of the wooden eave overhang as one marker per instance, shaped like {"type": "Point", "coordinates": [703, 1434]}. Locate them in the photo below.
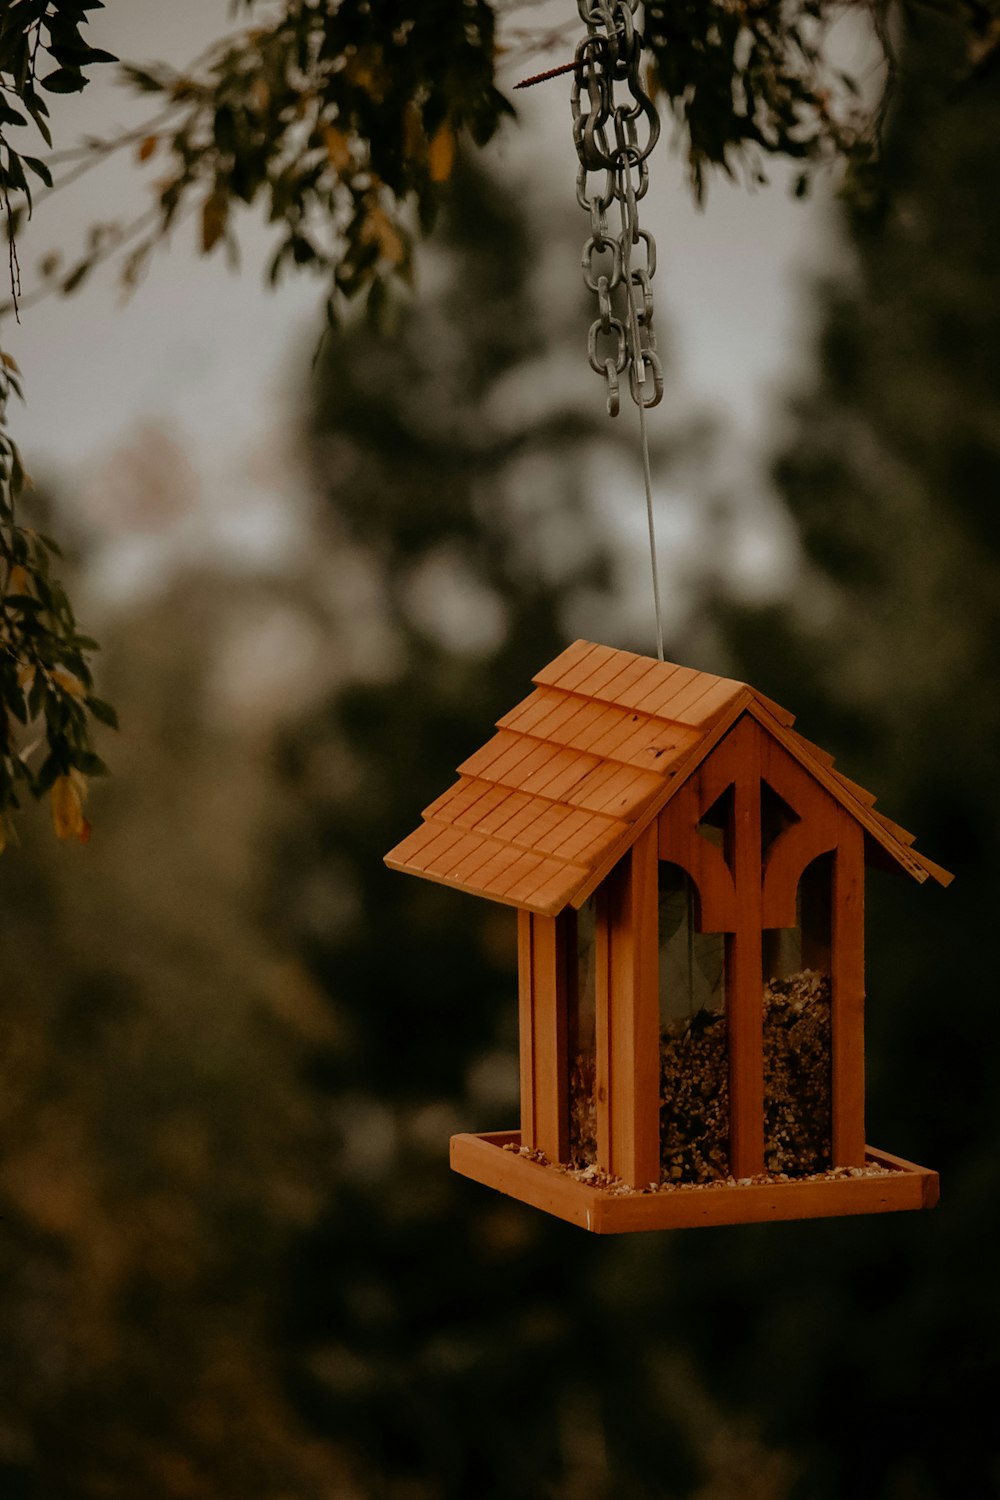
{"type": "Point", "coordinates": [542, 813]}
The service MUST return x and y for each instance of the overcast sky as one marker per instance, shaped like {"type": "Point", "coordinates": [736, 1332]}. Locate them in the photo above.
{"type": "Point", "coordinates": [210, 358]}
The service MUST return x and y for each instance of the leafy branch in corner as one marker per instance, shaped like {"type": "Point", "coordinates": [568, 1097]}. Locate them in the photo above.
{"type": "Point", "coordinates": [47, 701]}
{"type": "Point", "coordinates": [341, 120]}
{"type": "Point", "coordinates": [47, 704]}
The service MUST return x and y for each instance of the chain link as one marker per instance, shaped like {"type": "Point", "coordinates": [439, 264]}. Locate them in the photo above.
{"type": "Point", "coordinates": [613, 138]}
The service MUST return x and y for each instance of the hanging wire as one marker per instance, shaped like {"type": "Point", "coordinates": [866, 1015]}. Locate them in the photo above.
{"type": "Point", "coordinates": [641, 401]}
{"type": "Point", "coordinates": [610, 54]}
{"type": "Point", "coordinates": [647, 476]}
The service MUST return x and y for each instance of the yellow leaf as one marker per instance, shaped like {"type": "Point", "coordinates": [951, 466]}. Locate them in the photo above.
{"type": "Point", "coordinates": [26, 678]}
{"type": "Point", "coordinates": [213, 220]}
{"type": "Point", "coordinates": [380, 230]}
{"type": "Point", "coordinates": [68, 682]}
{"type": "Point", "coordinates": [338, 148]}
{"type": "Point", "coordinates": [9, 362]}
{"type": "Point", "coordinates": [17, 581]}
{"type": "Point", "coordinates": [148, 146]}
{"type": "Point", "coordinates": [260, 94]}
{"type": "Point", "coordinates": [441, 156]}
{"type": "Point", "coordinates": [67, 809]}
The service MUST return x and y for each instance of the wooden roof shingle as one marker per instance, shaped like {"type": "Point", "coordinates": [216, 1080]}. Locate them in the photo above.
{"type": "Point", "coordinates": [545, 808]}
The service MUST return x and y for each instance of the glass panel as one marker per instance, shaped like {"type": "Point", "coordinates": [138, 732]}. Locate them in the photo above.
{"type": "Point", "coordinates": [797, 1064]}
{"type": "Point", "coordinates": [581, 1012]}
{"type": "Point", "coordinates": [694, 1054]}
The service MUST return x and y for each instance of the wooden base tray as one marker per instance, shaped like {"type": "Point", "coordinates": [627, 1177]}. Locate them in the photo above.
{"type": "Point", "coordinates": [483, 1158]}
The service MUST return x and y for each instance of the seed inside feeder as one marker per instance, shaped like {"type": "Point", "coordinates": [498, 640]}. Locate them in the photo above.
{"type": "Point", "coordinates": [694, 1088]}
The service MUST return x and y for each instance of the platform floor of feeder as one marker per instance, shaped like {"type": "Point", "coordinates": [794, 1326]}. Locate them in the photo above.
{"type": "Point", "coordinates": [607, 1205]}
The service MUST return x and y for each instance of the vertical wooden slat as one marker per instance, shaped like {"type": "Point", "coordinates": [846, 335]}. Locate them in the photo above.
{"type": "Point", "coordinates": [848, 996]}
{"type": "Point", "coordinates": [548, 1028]}
{"type": "Point", "coordinates": [525, 1016]}
{"type": "Point", "coordinates": [605, 907]}
{"type": "Point", "coordinates": [744, 979]}
{"type": "Point", "coordinates": [629, 1018]}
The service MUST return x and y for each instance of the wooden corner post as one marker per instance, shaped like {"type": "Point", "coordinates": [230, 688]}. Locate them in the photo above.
{"type": "Point", "coordinates": [628, 1017]}
{"type": "Point", "coordinates": [744, 977]}
{"type": "Point", "coordinates": [543, 970]}
{"type": "Point", "coordinates": [847, 999]}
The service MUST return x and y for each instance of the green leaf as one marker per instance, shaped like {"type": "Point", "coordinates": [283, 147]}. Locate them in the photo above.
{"type": "Point", "coordinates": [51, 768]}
{"type": "Point", "coordinates": [39, 168]}
{"type": "Point", "coordinates": [90, 764]}
{"type": "Point", "coordinates": [36, 697]}
{"type": "Point", "coordinates": [64, 81]}
{"type": "Point", "coordinates": [16, 471]}
{"type": "Point", "coordinates": [103, 712]}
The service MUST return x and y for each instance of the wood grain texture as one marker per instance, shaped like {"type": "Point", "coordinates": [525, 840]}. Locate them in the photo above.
{"type": "Point", "coordinates": [744, 977]}
{"type": "Point", "coordinates": [484, 1159]}
{"type": "Point", "coordinates": [677, 779]}
{"type": "Point", "coordinates": [638, 760]}
{"type": "Point", "coordinates": [588, 663]}
{"type": "Point", "coordinates": [525, 1025]}
{"type": "Point", "coordinates": [634, 1063]}
{"type": "Point", "coordinates": [524, 715]}
{"type": "Point", "coordinates": [816, 832]}
{"type": "Point", "coordinates": [549, 675]}
{"type": "Point", "coordinates": [602, 682]}
{"type": "Point", "coordinates": [788, 857]}
{"type": "Point", "coordinates": [549, 1109]}
{"type": "Point", "coordinates": [847, 1017]}
{"type": "Point", "coordinates": [681, 844]}
{"type": "Point", "coordinates": [632, 688]}
{"type": "Point", "coordinates": [606, 905]}
{"type": "Point", "coordinates": [907, 859]}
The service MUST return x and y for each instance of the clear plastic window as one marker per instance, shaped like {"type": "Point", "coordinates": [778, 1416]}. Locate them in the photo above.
{"type": "Point", "coordinates": [694, 1049]}
{"type": "Point", "coordinates": [797, 1030]}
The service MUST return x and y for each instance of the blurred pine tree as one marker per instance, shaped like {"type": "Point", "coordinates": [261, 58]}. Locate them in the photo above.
{"type": "Point", "coordinates": [869, 1348]}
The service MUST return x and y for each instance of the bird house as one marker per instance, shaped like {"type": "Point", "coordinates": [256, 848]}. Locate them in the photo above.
{"type": "Point", "coordinates": [688, 874]}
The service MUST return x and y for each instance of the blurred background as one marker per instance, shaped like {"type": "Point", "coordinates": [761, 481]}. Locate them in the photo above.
{"type": "Point", "coordinates": [233, 1262]}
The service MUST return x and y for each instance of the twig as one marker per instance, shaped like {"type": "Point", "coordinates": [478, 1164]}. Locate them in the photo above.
{"type": "Point", "coordinates": [527, 83]}
{"type": "Point", "coordinates": [115, 243]}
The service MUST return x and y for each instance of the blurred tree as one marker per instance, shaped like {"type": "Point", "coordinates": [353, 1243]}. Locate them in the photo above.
{"type": "Point", "coordinates": [158, 1155]}
{"type": "Point", "coordinates": [870, 1348]}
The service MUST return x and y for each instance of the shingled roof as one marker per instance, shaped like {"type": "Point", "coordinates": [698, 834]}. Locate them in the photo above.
{"type": "Point", "coordinates": [544, 810]}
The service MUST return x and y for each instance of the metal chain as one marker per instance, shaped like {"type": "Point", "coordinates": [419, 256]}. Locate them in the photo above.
{"type": "Point", "coordinates": [621, 337]}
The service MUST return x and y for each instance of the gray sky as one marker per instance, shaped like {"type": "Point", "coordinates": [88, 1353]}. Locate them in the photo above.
{"type": "Point", "coordinates": [210, 359]}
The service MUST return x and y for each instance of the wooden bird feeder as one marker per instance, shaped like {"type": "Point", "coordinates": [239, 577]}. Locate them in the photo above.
{"type": "Point", "coordinates": [688, 873]}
